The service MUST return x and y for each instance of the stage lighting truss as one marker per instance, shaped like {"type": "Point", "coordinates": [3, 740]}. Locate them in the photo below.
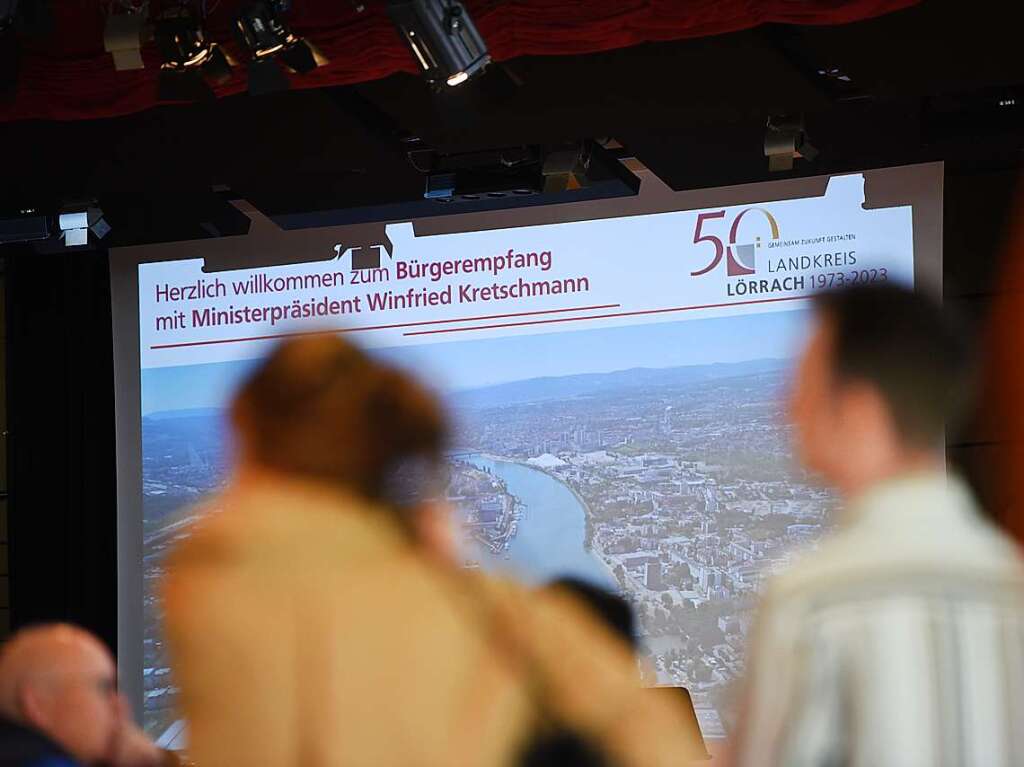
{"type": "Point", "coordinates": [443, 39]}
{"type": "Point", "coordinates": [191, 62]}
{"type": "Point", "coordinates": [268, 39]}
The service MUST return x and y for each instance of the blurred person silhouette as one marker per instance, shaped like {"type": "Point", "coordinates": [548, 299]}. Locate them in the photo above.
{"type": "Point", "coordinates": [900, 640]}
{"type": "Point", "coordinates": [617, 614]}
{"type": "Point", "coordinates": [614, 611]}
{"type": "Point", "coordinates": [316, 616]}
{"type": "Point", "coordinates": [59, 704]}
{"type": "Point", "coordinates": [562, 748]}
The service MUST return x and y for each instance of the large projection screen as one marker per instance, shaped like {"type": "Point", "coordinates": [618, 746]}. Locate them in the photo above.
{"type": "Point", "coordinates": [616, 371]}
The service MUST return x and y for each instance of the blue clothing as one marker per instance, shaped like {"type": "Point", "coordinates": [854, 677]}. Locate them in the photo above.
{"type": "Point", "coordinates": [24, 747]}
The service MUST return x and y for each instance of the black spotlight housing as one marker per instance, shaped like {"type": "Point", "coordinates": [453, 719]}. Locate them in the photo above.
{"type": "Point", "coordinates": [443, 39]}
{"type": "Point", "coordinates": [264, 34]}
{"type": "Point", "coordinates": [191, 63]}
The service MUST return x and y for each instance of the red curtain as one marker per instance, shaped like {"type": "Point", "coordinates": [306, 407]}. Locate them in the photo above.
{"type": "Point", "coordinates": [69, 76]}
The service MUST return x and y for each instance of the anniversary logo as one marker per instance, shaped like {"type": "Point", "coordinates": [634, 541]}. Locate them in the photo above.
{"type": "Point", "coordinates": [787, 266]}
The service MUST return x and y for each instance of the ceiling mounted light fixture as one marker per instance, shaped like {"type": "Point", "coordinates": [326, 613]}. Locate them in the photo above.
{"type": "Point", "coordinates": [191, 63]}
{"type": "Point", "coordinates": [268, 39]}
{"type": "Point", "coordinates": [785, 141]}
{"type": "Point", "coordinates": [76, 220]}
{"type": "Point", "coordinates": [443, 39]}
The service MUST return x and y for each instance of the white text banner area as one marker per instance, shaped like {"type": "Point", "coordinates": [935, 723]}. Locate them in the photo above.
{"type": "Point", "coordinates": [534, 279]}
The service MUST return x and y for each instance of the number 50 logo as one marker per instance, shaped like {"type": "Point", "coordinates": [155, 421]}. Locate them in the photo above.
{"type": "Point", "coordinates": [739, 257]}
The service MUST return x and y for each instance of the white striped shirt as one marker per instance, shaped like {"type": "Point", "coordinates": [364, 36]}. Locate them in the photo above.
{"type": "Point", "coordinates": [899, 641]}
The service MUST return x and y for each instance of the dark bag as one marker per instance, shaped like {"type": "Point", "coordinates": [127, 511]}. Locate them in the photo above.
{"type": "Point", "coordinates": [561, 748]}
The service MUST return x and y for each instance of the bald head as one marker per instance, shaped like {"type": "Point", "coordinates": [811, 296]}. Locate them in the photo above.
{"type": "Point", "coordinates": [42, 654]}
{"type": "Point", "coordinates": [60, 680]}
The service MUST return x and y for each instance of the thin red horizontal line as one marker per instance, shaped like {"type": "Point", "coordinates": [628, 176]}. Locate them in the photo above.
{"type": "Point", "coordinates": [382, 327]}
{"type": "Point", "coordinates": [605, 316]}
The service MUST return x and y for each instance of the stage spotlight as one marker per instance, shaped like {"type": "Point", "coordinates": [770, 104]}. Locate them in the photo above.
{"type": "Point", "coordinates": [97, 223]}
{"type": "Point", "coordinates": [191, 63]}
{"type": "Point", "coordinates": [785, 141]}
{"type": "Point", "coordinates": [268, 39]}
{"type": "Point", "coordinates": [76, 222]}
{"type": "Point", "coordinates": [443, 38]}
{"type": "Point", "coordinates": [566, 169]}
{"type": "Point", "coordinates": [74, 228]}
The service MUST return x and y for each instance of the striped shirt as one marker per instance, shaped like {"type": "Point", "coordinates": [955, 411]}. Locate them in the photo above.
{"type": "Point", "coordinates": [899, 641]}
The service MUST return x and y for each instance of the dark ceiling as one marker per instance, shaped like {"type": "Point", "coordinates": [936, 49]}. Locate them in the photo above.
{"type": "Point", "coordinates": [924, 83]}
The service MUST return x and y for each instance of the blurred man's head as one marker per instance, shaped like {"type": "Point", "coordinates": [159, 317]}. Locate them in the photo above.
{"type": "Point", "coordinates": [60, 680]}
{"type": "Point", "coordinates": [885, 370]}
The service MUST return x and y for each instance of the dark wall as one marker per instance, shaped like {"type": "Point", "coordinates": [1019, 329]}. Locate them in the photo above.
{"type": "Point", "coordinates": [980, 206]}
{"type": "Point", "coordinates": [61, 468]}
{"type": "Point", "coordinates": [5, 597]}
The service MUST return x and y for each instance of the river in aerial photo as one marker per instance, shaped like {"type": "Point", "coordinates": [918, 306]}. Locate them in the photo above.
{"type": "Point", "coordinates": [549, 543]}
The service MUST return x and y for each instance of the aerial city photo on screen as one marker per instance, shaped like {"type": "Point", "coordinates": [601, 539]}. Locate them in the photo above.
{"type": "Point", "coordinates": [651, 459]}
